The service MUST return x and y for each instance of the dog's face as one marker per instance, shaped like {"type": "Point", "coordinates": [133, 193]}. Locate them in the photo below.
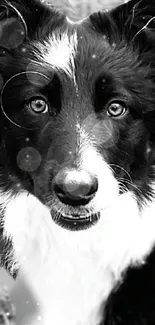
{"type": "Point", "coordinates": [77, 108]}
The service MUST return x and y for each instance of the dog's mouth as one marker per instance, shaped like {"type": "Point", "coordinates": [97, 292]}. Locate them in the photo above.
{"type": "Point", "coordinates": [75, 222]}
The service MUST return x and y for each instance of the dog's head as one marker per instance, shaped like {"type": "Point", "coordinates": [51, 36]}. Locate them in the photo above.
{"type": "Point", "coordinates": [77, 107]}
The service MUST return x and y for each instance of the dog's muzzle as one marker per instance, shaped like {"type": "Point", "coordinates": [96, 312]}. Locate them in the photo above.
{"type": "Point", "coordinates": [75, 188]}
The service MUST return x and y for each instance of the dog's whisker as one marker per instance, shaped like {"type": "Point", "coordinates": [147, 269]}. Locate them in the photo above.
{"type": "Point", "coordinates": [143, 28]}
{"type": "Point", "coordinates": [123, 188]}
{"type": "Point", "coordinates": [126, 172]}
{"type": "Point", "coordinates": [130, 183]}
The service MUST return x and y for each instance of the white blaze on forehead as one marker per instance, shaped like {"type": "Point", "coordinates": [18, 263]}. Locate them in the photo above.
{"type": "Point", "coordinates": [59, 52]}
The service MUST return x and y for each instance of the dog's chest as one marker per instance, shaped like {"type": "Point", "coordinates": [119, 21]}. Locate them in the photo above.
{"type": "Point", "coordinates": [70, 289]}
{"type": "Point", "coordinates": [71, 274]}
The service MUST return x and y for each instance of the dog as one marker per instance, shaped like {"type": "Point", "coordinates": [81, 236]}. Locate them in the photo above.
{"type": "Point", "coordinates": [77, 157]}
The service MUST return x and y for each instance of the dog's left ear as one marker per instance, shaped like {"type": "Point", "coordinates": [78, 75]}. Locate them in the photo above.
{"type": "Point", "coordinates": [133, 21]}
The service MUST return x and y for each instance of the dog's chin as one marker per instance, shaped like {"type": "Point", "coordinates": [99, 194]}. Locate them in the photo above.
{"type": "Point", "coordinates": [75, 222]}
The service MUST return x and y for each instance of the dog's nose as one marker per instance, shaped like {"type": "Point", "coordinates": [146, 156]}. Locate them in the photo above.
{"type": "Point", "coordinates": [74, 187]}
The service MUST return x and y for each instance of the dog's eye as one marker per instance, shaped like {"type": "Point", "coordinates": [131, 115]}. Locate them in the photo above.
{"type": "Point", "coordinates": [116, 109]}
{"type": "Point", "coordinates": [38, 105]}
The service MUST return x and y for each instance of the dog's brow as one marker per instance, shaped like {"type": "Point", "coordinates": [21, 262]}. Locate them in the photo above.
{"type": "Point", "coordinates": [59, 52]}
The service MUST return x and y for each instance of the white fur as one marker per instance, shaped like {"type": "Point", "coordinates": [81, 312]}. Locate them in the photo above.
{"type": "Point", "coordinates": [59, 52]}
{"type": "Point", "coordinates": [72, 273]}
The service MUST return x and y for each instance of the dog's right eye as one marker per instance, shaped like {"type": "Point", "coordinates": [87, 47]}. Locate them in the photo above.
{"type": "Point", "coordinates": [38, 105]}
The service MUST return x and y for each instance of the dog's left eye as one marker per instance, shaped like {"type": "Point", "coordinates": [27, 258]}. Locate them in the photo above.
{"type": "Point", "coordinates": [38, 105]}
{"type": "Point", "coordinates": [116, 109]}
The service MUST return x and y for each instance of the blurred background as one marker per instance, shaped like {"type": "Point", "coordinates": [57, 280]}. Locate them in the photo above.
{"type": "Point", "coordinates": [78, 9]}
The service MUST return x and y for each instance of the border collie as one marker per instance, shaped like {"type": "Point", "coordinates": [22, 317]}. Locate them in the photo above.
{"type": "Point", "coordinates": [77, 157]}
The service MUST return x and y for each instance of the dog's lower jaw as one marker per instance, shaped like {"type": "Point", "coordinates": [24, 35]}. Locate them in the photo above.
{"type": "Point", "coordinates": [71, 274]}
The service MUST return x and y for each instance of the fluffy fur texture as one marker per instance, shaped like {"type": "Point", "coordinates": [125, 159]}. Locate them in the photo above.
{"type": "Point", "coordinates": [77, 162]}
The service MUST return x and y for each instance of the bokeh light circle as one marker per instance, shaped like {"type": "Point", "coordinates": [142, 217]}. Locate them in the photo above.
{"type": "Point", "coordinates": [29, 159]}
{"type": "Point", "coordinates": [13, 29]}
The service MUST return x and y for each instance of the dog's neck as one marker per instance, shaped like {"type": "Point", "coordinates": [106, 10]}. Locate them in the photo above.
{"type": "Point", "coordinates": [71, 274]}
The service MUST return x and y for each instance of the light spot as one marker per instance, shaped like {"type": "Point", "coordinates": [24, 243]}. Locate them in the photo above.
{"type": "Point", "coordinates": [23, 49]}
{"type": "Point", "coordinates": [94, 56]}
{"type": "Point", "coordinates": [18, 185]}
{"type": "Point", "coordinates": [97, 130]}
{"type": "Point", "coordinates": [39, 318]}
{"type": "Point", "coordinates": [103, 82]}
{"type": "Point", "coordinates": [29, 159]}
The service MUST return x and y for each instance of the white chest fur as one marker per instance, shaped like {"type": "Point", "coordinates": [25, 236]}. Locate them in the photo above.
{"type": "Point", "coordinates": [71, 274]}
